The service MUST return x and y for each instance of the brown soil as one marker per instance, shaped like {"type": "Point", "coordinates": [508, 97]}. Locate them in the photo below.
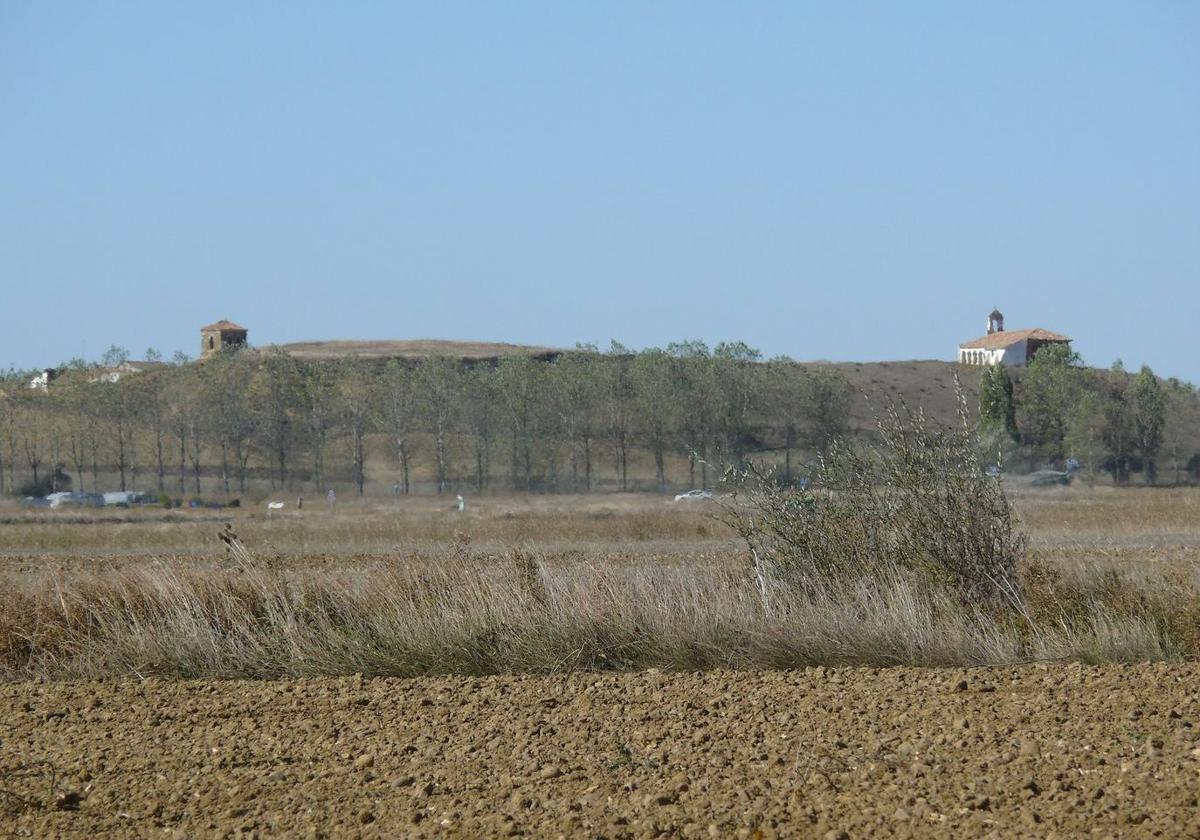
{"type": "Point", "coordinates": [1035, 751]}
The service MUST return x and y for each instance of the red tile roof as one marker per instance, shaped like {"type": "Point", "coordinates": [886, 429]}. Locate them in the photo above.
{"type": "Point", "coordinates": [1007, 338]}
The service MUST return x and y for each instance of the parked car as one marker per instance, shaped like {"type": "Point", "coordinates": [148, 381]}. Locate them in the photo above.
{"type": "Point", "coordinates": [694, 496]}
{"type": "Point", "coordinates": [57, 499]}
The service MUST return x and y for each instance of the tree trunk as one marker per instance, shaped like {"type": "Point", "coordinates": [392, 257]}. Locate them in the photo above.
{"type": "Point", "coordinates": [573, 460]}
{"type": "Point", "coordinates": [159, 464]}
{"type": "Point", "coordinates": [360, 467]}
{"type": "Point", "coordinates": [121, 465]}
{"type": "Point", "coordinates": [243, 457]}
{"type": "Point", "coordinates": [660, 467]}
{"type": "Point", "coordinates": [195, 458]}
{"type": "Point", "coordinates": [133, 462]}
{"type": "Point", "coordinates": [528, 456]}
{"type": "Point", "coordinates": [402, 450]}
{"type": "Point", "coordinates": [182, 465]}
{"type": "Point", "coordinates": [318, 464]}
{"type": "Point", "coordinates": [587, 464]}
{"type": "Point", "coordinates": [623, 461]}
{"type": "Point", "coordinates": [515, 467]}
{"type": "Point", "coordinates": [440, 454]}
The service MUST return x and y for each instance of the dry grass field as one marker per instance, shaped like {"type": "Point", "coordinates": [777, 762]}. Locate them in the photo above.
{"type": "Point", "coordinates": [597, 666]}
{"type": "Point", "coordinates": [552, 583]}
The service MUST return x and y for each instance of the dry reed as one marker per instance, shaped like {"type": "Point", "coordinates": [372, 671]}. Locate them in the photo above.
{"type": "Point", "coordinates": [474, 613]}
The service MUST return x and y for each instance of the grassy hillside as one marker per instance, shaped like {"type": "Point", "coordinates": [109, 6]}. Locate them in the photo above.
{"type": "Point", "coordinates": [918, 384]}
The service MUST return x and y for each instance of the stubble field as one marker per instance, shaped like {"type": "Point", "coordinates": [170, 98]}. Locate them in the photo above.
{"type": "Point", "coordinates": [125, 717]}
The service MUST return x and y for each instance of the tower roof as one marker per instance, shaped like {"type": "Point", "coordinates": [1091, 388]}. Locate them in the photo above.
{"type": "Point", "coordinates": [224, 326]}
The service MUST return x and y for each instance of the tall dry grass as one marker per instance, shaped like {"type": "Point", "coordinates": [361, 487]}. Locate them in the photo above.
{"type": "Point", "coordinates": [477, 613]}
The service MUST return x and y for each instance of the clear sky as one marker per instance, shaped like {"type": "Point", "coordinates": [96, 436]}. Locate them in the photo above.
{"type": "Point", "coordinates": [829, 181]}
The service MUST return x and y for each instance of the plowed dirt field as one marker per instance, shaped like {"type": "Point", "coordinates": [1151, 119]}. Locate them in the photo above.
{"type": "Point", "coordinates": [1037, 751]}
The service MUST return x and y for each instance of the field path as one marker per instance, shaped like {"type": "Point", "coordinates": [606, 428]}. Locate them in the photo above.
{"type": "Point", "coordinates": [1035, 751]}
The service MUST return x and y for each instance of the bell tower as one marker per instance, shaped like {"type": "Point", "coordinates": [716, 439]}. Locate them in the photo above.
{"type": "Point", "coordinates": [220, 336]}
{"type": "Point", "coordinates": [995, 322]}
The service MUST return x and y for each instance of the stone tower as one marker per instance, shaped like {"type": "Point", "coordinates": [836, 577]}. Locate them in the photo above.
{"type": "Point", "coordinates": [220, 336]}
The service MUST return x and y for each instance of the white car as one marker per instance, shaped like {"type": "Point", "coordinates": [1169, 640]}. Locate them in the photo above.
{"type": "Point", "coordinates": [694, 496]}
{"type": "Point", "coordinates": [55, 500]}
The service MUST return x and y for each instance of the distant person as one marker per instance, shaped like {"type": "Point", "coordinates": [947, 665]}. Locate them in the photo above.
{"type": "Point", "coordinates": [331, 498]}
{"type": "Point", "coordinates": [462, 504]}
{"type": "Point", "coordinates": [299, 502]}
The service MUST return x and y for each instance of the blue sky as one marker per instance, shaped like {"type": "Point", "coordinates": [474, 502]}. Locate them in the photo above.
{"type": "Point", "coordinates": [829, 181]}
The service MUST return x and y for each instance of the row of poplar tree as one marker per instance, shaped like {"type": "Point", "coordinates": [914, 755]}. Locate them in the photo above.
{"type": "Point", "coordinates": [568, 424]}
{"type": "Point", "coordinates": [1106, 420]}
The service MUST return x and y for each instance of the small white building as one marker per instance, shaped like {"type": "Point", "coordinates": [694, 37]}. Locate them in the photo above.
{"type": "Point", "coordinates": [1011, 348]}
{"type": "Point", "coordinates": [42, 381]}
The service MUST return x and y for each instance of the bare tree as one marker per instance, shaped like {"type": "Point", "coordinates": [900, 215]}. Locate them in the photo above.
{"type": "Point", "coordinates": [1181, 407]}
{"type": "Point", "coordinates": [479, 401]}
{"type": "Point", "coordinates": [695, 387]}
{"type": "Point", "coordinates": [228, 416]}
{"type": "Point", "coordinates": [355, 393]}
{"type": "Point", "coordinates": [154, 411]}
{"type": "Point", "coordinates": [31, 432]}
{"type": "Point", "coordinates": [576, 387]}
{"type": "Point", "coordinates": [739, 396]}
{"type": "Point", "coordinates": [438, 383]}
{"type": "Point", "coordinates": [322, 406]}
{"type": "Point", "coordinates": [655, 407]}
{"type": "Point", "coordinates": [617, 401]}
{"type": "Point", "coordinates": [276, 395]}
{"type": "Point", "coordinates": [518, 379]}
{"type": "Point", "coordinates": [185, 423]}
{"type": "Point", "coordinates": [119, 406]}
{"type": "Point", "coordinates": [397, 407]}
